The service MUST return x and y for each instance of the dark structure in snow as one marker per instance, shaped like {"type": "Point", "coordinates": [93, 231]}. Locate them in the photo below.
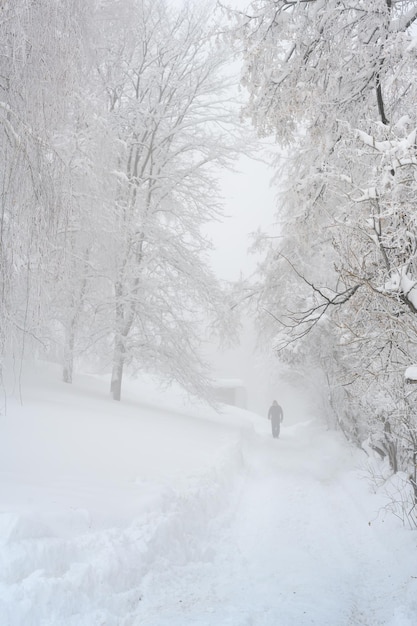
{"type": "Point", "coordinates": [231, 391]}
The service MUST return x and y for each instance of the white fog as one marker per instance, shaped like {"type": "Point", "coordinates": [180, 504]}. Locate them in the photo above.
{"type": "Point", "coordinates": [160, 512]}
{"type": "Point", "coordinates": [208, 330]}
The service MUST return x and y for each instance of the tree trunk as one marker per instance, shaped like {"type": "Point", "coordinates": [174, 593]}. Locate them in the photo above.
{"type": "Point", "coordinates": [71, 330]}
{"type": "Point", "coordinates": [68, 367]}
{"type": "Point", "coordinates": [391, 446]}
{"type": "Point", "coordinates": [117, 371]}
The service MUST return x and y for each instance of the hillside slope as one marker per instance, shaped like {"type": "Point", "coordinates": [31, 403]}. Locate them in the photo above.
{"type": "Point", "coordinates": [157, 512]}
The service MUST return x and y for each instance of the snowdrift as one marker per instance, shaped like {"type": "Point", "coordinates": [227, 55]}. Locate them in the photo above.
{"type": "Point", "coordinates": [156, 511]}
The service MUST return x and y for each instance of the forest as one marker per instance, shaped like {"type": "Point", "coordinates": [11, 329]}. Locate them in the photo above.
{"type": "Point", "coordinates": [116, 118]}
{"type": "Point", "coordinates": [334, 82]}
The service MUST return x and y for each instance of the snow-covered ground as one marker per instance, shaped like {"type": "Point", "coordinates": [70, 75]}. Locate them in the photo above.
{"type": "Point", "coordinates": [158, 512]}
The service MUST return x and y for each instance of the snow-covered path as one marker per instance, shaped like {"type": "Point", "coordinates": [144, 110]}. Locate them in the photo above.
{"type": "Point", "coordinates": [154, 517]}
{"type": "Point", "coordinates": [301, 549]}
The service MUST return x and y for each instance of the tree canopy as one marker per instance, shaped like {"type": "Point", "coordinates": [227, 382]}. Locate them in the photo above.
{"type": "Point", "coordinates": [335, 83]}
{"type": "Point", "coordinates": [114, 120]}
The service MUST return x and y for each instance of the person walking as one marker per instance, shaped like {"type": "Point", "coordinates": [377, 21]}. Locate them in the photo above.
{"type": "Point", "coordinates": [276, 415]}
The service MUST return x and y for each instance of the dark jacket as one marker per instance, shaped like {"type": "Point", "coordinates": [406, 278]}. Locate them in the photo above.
{"type": "Point", "coordinates": [276, 413]}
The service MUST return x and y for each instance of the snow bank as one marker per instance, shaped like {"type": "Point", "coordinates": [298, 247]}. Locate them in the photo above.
{"type": "Point", "coordinates": [158, 512]}
{"type": "Point", "coordinates": [96, 494]}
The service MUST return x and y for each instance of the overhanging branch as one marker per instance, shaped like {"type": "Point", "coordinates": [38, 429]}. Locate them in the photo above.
{"type": "Point", "coordinates": [301, 323]}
